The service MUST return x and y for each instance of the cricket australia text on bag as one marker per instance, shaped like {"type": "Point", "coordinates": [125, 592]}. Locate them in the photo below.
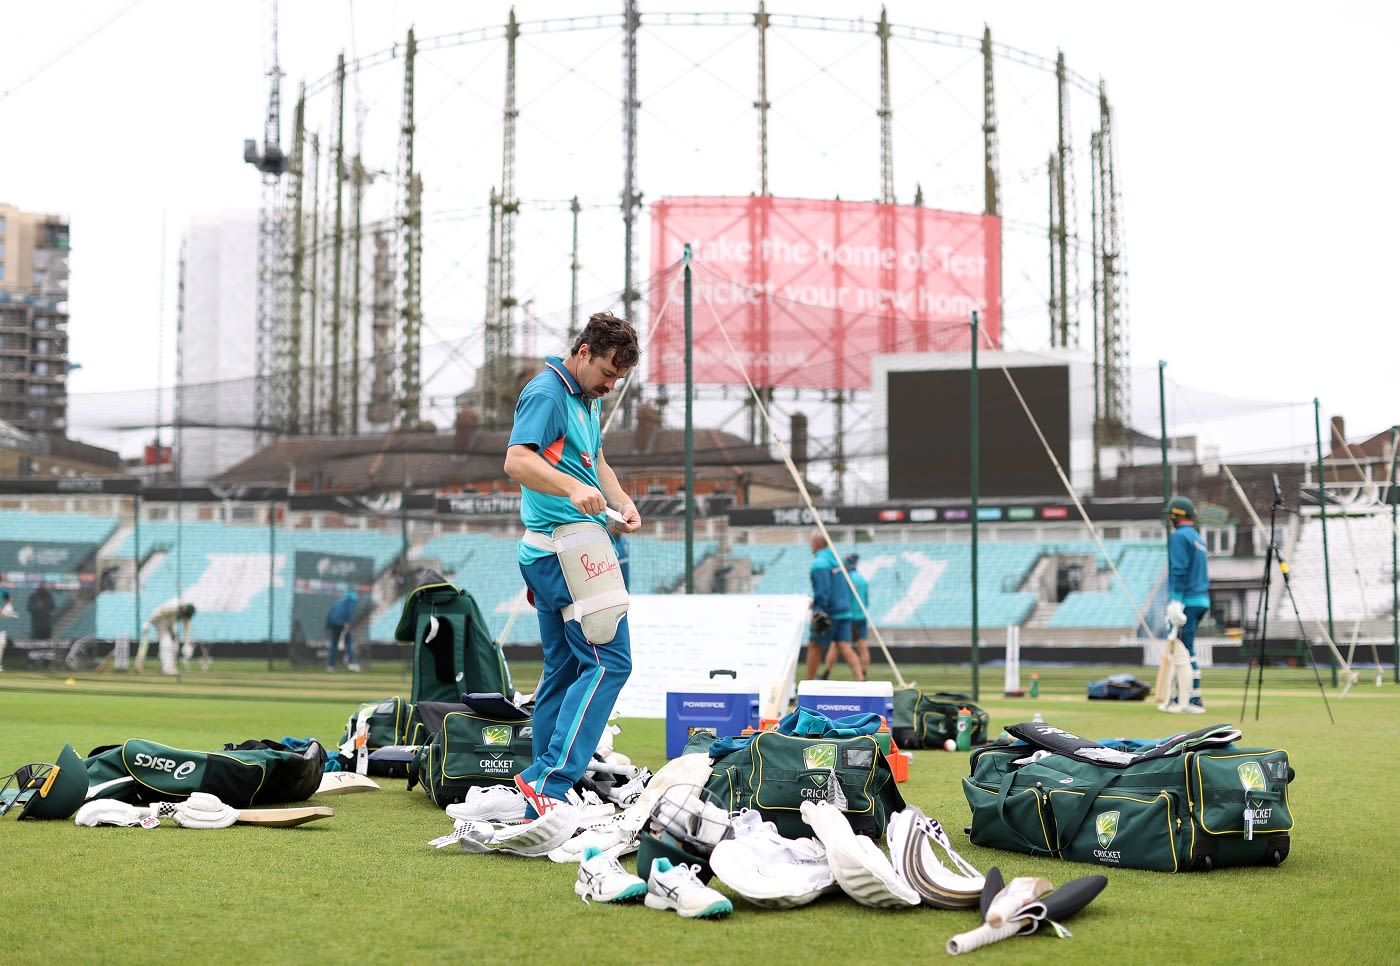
{"type": "Point", "coordinates": [1191, 808]}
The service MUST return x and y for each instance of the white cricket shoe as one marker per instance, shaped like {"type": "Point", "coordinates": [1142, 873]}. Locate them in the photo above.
{"type": "Point", "coordinates": [492, 803]}
{"type": "Point", "coordinates": [678, 887]}
{"type": "Point", "coordinates": [601, 877]}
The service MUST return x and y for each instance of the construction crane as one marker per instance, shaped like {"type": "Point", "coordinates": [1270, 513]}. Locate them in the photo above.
{"type": "Point", "coordinates": [272, 162]}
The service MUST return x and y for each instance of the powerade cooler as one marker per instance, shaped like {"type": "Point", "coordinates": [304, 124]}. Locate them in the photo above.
{"type": "Point", "coordinates": [836, 699]}
{"type": "Point", "coordinates": [718, 706]}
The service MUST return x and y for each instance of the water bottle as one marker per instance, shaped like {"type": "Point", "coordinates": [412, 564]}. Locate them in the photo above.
{"type": "Point", "coordinates": [964, 729]}
{"type": "Point", "coordinates": [1035, 685]}
{"type": "Point", "coordinates": [1037, 719]}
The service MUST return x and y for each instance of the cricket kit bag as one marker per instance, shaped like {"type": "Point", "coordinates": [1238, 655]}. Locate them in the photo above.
{"type": "Point", "coordinates": [453, 651]}
{"type": "Point", "coordinates": [1193, 802]}
{"type": "Point", "coordinates": [775, 773]}
{"type": "Point", "coordinates": [467, 749]}
{"type": "Point", "coordinates": [258, 772]}
{"type": "Point", "coordinates": [393, 721]}
{"type": "Point", "coordinates": [1118, 687]}
{"type": "Point", "coordinates": [927, 720]}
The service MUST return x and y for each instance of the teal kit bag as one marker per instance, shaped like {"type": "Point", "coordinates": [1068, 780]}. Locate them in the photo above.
{"type": "Point", "coordinates": [1195, 802]}
{"type": "Point", "coordinates": [775, 773]}
{"type": "Point", "coordinates": [470, 750]}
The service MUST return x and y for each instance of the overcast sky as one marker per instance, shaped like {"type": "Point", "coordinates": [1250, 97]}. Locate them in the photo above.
{"type": "Point", "coordinates": [1257, 158]}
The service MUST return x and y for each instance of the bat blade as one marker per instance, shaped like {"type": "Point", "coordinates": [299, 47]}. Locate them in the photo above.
{"type": "Point", "coordinates": [345, 783]}
{"type": "Point", "coordinates": [1164, 672]}
{"type": "Point", "coordinates": [283, 817]}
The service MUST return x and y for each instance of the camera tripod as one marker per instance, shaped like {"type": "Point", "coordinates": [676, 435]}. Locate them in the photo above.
{"type": "Point", "coordinates": [1261, 621]}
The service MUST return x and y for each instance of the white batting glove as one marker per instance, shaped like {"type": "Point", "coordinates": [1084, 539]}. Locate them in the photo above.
{"type": "Point", "coordinates": [201, 810]}
{"type": "Point", "coordinates": [1176, 613]}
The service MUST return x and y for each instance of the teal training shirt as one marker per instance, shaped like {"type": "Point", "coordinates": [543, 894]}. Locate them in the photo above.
{"type": "Point", "coordinates": [555, 417]}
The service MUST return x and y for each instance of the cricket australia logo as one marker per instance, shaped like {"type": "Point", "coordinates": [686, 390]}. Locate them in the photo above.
{"type": "Point", "coordinates": [819, 756]}
{"type": "Point", "coordinates": [496, 734]}
{"type": "Point", "coordinates": [1105, 828]}
{"type": "Point", "coordinates": [1252, 777]}
{"type": "Point", "coordinates": [1252, 780]}
{"type": "Point", "coordinates": [1105, 831]}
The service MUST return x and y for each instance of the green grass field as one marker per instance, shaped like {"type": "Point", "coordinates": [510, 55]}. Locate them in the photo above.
{"type": "Point", "coordinates": [364, 885]}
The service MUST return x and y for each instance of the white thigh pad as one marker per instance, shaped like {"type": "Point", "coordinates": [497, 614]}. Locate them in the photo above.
{"type": "Point", "coordinates": [589, 561]}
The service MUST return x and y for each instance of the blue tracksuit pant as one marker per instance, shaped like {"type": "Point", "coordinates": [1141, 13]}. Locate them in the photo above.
{"type": "Point", "coordinates": [579, 686]}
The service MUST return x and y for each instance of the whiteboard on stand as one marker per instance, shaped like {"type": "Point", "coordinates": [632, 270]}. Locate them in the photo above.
{"type": "Point", "coordinates": [678, 639]}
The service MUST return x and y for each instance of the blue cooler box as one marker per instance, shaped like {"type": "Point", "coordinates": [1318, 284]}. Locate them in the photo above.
{"type": "Point", "coordinates": [837, 699]}
{"type": "Point", "coordinates": [718, 708]}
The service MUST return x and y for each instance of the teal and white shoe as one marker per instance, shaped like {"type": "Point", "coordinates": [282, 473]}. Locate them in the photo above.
{"type": "Point", "coordinates": [602, 878]}
{"type": "Point", "coordinates": [678, 887]}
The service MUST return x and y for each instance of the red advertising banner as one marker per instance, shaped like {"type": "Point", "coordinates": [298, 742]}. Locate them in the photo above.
{"type": "Point", "coordinates": [807, 292]}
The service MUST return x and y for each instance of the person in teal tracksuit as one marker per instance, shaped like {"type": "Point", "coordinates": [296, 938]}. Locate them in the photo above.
{"type": "Point", "coordinates": [1188, 587]}
{"type": "Point", "coordinates": [859, 623]}
{"type": "Point", "coordinates": [831, 610]}
{"type": "Point", "coordinates": [555, 453]}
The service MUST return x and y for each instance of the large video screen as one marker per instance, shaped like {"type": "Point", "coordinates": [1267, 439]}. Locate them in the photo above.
{"type": "Point", "coordinates": [802, 293]}
{"type": "Point", "coordinates": [929, 442]}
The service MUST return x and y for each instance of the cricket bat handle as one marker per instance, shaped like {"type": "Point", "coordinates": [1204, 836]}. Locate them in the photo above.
{"type": "Point", "coordinates": [983, 935]}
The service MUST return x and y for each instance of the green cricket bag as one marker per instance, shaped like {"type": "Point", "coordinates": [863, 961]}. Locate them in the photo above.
{"type": "Point", "coordinates": [371, 727]}
{"type": "Point", "coordinates": [927, 720]}
{"type": "Point", "coordinates": [1189, 806]}
{"type": "Point", "coordinates": [453, 651]}
{"type": "Point", "coordinates": [139, 772]}
{"type": "Point", "coordinates": [775, 773]}
{"type": "Point", "coordinates": [468, 750]}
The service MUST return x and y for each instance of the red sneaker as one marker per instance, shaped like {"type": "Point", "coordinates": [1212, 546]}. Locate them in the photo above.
{"type": "Point", "coordinates": [538, 801]}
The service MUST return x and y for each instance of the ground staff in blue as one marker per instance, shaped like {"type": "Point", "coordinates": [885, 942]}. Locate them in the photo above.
{"type": "Point", "coordinates": [567, 557]}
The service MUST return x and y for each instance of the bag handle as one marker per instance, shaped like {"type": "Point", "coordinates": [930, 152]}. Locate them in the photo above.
{"type": "Point", "coordinates": [1076, 815]}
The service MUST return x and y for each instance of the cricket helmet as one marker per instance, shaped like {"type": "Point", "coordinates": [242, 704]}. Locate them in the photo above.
{"type": "Point", "coordinates": [684, 826]}
{"type": "Point", "coordinates": [1180, 508]}
{"type": "Point", "coordinates": [46, 790]}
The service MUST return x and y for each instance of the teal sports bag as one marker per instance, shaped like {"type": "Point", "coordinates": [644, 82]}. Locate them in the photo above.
{"type": "Point", "coordinates": [1186, 805]}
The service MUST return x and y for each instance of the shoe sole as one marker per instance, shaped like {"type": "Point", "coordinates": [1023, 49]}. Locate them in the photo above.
{"type": "Point", "coordinates": [715, 909]}
{"type": "Point", "coordinates": [632, 893]}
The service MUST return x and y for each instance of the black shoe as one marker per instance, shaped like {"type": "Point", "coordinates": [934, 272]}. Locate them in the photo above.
{"type": "Point", "coordinates": [826, 673]}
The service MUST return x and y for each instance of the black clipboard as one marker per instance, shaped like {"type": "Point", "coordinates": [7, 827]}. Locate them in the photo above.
{"type": "Point", "coordinates": [495, 705]}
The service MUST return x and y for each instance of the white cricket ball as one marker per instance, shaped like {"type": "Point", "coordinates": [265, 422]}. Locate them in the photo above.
{"type": "Point", "coordinates": [950, 745]}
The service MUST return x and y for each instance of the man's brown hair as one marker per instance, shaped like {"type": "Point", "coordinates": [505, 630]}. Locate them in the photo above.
{"type": "Point", "coordinates": [611, 339]}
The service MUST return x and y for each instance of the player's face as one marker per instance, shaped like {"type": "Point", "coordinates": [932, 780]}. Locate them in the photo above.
{"type": "Point", "coordinates": [598, 377]}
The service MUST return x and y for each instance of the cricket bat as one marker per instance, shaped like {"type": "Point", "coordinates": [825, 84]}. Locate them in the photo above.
{"type": "Point", "coordinates": [345, 783]}
{"type": "Point", "coordinates": [1164, 670]}
{"type": "Point", "coordinates": [283, 817]}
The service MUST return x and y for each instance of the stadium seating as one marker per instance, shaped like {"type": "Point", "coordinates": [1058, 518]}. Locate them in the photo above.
{"type": "Point", "coordinates": [224, 570]}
